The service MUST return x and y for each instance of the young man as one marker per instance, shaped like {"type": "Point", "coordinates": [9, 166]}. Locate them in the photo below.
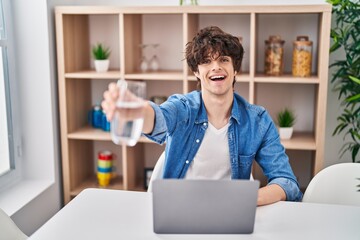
{"type": "Point", "coordinates": [215, 133]}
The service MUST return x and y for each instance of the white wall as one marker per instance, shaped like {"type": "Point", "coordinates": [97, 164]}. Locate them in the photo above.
{"type": "Point", "coordinates": [36, 68]}
{"type": "Point", "coordinates": [39, 125]}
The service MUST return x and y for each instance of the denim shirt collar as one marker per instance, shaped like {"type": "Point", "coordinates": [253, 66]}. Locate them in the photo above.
{"type": "Point", "coordinates": [202, 115]}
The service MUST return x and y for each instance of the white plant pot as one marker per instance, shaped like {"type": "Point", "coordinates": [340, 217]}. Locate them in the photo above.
{"type": "Point", "coordinates": [102, 65]}
{"type": "Point", "coordinates": [286, 133]}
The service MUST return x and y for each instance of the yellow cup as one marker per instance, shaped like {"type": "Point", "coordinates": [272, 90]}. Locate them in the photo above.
{"type": "Point", "coordinates": [104, 179]}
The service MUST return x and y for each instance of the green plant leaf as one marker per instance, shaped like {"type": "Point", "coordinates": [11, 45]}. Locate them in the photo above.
{"type": "Point", "coordinates": [353, 98]}
{"type": "Point", "coordinates": [333, 2]}
{"type": "Point", "coordinates": [354, 79]}
{"type": "Point", "coordinates": [100, 52]}
{"type": "Point", "coordinates": [345, 79]}
{"type": "Point", "coordinates": [334, 47]}
{"type": "Point", "coordinates": [354, 152]}
{"type": "Point", "coordinates": [286, 118]}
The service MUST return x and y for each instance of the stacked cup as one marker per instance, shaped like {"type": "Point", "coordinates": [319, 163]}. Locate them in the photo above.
{"type": "Point", "coordinates": [104, 168]}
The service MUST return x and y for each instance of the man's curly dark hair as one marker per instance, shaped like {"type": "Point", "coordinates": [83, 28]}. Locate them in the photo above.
{"type": "Point", "coordinates": [214, 42]}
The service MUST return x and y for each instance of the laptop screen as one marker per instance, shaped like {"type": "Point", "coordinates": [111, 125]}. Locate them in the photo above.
{"type": "Point", "coordinates": [204, 206]}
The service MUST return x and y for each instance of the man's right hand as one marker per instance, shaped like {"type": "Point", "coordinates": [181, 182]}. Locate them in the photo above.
{"type": "Point", "coordinates": [110, 98]}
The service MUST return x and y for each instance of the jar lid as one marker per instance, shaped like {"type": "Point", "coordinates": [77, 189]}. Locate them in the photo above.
{"type": "Point", "coordinates": [303, 41]}
{"type": "Point", "coordinates": [274, 39]}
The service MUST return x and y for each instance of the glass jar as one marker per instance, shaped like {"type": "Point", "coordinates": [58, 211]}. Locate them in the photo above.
{"type": "Point", "coordinates": [274, 56]}
{"type": "Point", "coordinates": [302, 57]}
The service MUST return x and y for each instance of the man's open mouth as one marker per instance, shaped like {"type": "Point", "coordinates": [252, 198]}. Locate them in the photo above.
{"type": "Point", "coordinates": [217, 77]}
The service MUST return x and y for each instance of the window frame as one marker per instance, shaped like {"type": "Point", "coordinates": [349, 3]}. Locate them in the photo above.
{"type": "Point", "coordinates": [14, 175]}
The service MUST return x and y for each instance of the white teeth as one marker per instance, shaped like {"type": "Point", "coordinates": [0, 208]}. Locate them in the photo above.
{"type": "Point", "coordinates": [216, 77]}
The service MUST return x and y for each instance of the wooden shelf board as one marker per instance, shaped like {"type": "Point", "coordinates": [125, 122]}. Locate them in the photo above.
{"type": "Point", "coordinates": [92, 182]}
{"type": "Point", "coordinates": [300, 141]}
{"type": "Point", "coordinates": [245, 8]}
{"type": "Point", "coordinates": [286, 78]}
{"type": "Point", "coordinates": [90, 133]}
{"type": "Point", "coordinates": [158, 75]}
{"type": "Point", "coordinates": [92, 74]}
{"type": "Point", "coordinates": [139, 186]}
{"type": "Point", "coordinates": [244, 77]}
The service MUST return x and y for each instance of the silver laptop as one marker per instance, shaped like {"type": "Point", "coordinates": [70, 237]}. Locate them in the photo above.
{"type": "Point", "coordinates": [204, 206]}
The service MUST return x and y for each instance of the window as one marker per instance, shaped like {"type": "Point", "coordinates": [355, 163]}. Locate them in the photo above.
{"type": "Point", "coordinates": [5, 162]}
{"type": "Point", "coordinates": [9, 162]}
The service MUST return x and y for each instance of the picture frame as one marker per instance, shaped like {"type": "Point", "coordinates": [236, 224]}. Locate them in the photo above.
{"type": "Point", "coordinates": [147, 176]}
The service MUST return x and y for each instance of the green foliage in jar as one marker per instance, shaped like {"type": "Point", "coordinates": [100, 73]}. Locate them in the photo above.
{"type": "Point", "coordinates": [100, 52]}
{"type": "Point", "coordinates": [346, 78]}
{"type": "Point", "coordinates": [286, 118]}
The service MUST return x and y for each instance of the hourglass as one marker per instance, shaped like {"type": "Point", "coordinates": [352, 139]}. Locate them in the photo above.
{"type": "Point", "coordinates": [143, 65]}
{"type": "Point", "coordinates": [154, 61]}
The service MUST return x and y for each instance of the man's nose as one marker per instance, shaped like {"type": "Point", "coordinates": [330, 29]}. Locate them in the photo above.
{"type": "Point", "coordinates": [215, 65]}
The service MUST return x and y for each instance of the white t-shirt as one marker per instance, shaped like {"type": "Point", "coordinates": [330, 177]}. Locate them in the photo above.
{"type": "Point", "coordinates": [212, 161]}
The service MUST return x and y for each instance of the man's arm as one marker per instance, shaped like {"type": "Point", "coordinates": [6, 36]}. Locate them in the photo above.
{"type": "Point", "coordinates": [109, 106]}
{"type": "Point", "coordinates": [270, 194]}
{"type": "Point", "coordinates": [275, 164]}
{"type": "Point", "coordinates": [149, 118]}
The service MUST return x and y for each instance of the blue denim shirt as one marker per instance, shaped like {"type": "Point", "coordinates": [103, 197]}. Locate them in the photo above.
{"type": "Point", "coordinates": [182, 120]}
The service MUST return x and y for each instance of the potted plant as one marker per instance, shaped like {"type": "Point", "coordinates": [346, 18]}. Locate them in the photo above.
{"type": "Point", "coordinates": [286, 121]}
{"type": "Point", "coordinates": [346, 78]}
{"type": "Point", "coordinates": [101, 57]}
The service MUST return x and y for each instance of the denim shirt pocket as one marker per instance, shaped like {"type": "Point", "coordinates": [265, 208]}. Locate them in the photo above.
{"type": "Point", "coordinates": [245, 163]}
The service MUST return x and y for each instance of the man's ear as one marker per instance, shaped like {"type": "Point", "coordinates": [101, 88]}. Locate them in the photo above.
{"type": "Point", "coordinates": [196, 74]}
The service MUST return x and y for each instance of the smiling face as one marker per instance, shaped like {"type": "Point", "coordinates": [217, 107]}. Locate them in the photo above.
{"type": "Point", "coordinates": [213, 50]}
{"type": "Point", "coordinates": [216, 74]}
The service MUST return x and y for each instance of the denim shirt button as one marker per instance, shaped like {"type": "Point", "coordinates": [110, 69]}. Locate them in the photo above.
{"type": "Point", "coordinates": [187, 161]}
{"type": "Point", "coordinates": [205, 124]}
{"type": "Point", "coordinates": [197, 140]}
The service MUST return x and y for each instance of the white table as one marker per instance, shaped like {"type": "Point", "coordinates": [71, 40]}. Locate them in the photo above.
{"type": "Point", "coordinates": [114, 214]}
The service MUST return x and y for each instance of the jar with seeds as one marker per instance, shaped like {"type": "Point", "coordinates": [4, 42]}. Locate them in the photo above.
{"type": "Point", "coordinates": [274, 56]}
{"type": "Point", "coordinates": [302, 57]}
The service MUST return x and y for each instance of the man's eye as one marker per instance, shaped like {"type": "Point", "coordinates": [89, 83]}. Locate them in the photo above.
{"type": "Point", "coordinates": [206, 61]}
{"type": "Point", "coordinates": [225, 60]}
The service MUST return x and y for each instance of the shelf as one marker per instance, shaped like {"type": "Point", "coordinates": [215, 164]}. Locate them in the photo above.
{"type": "Point", "coordinates": [91, 74]}
{"type": "Point", "coordinates": [300, 141]}
{"type": "Point", "coordinates": [92, 182]}
{"type": "Point", "coordinates": [244, 77]}
{"type": "Point", "coordinates": [124, 28]}
{"type": "Point", "coordinates": [90, 133]}
{"type": "Point", "coordinates": [240, 8]}
{"type": "Point", "coordinates": [286, 78]}
{"type": "Point", "coordinates": [159, 75]}
{"type": "Point", "coordinates": [177, 75]}
{"type": "Point", "coordinates": [139, 186]}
